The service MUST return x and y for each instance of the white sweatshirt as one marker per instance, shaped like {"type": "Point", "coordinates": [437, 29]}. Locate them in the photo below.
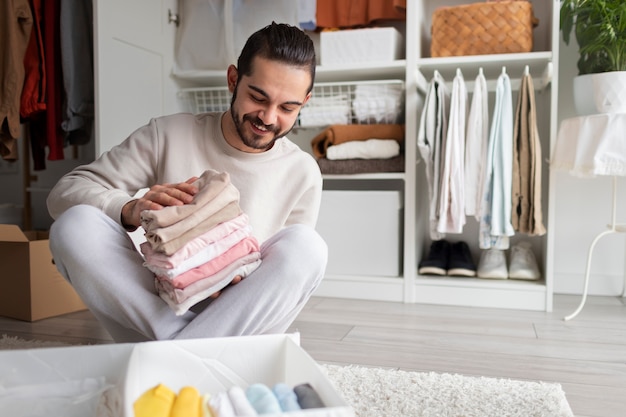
{"type": "Point", "coordinates": [280, 187]}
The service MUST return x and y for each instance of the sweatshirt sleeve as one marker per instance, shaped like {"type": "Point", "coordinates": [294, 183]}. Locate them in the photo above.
{"type": "Point", "coordinates": [113, 179]}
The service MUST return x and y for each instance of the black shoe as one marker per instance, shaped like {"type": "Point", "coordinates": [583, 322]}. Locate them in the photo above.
{"type": "Point", "coordinates": [461, 262]}
{"type": "Point", "coordinates": [437, 261]}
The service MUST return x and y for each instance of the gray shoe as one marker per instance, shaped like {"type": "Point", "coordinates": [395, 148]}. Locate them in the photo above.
{"type": "Point", "coordinates": [523, 264]}
{"type": "Point", "coordinates": [492, 264]}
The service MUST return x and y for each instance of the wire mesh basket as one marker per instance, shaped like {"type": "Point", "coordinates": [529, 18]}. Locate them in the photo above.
{"type": "Point", "coordinates": [363, 102]}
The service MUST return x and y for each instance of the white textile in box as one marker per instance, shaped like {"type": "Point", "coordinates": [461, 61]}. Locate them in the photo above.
{"type": "Point", "coordinates": [214, 365]}
{"type": "Point", "coordinates": [350, 46]}
{"type": "Point", "coordinates": [127, 370]}
{"type": "Point", "coordinates": [362, 230]}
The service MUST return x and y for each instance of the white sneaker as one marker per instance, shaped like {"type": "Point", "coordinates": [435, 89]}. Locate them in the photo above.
{"type": "Point", "coordinates": [492, 264]}
{"type": "Point", "coordinates": [523, 263]}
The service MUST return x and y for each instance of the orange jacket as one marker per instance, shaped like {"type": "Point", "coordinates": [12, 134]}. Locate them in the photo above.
{"type": "Point", "coordinates": [354, 13]}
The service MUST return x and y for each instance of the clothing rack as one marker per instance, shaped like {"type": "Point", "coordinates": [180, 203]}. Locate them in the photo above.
{"type": "Point", "coordinates": [543, 80]}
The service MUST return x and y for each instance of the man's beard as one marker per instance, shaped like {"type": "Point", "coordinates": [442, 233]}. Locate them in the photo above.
{"type": "Point", "coordinates": [253, 142]}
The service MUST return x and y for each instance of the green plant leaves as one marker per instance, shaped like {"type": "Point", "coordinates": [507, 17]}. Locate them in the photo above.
{"type": "Point", "coordinates": [600, 30]}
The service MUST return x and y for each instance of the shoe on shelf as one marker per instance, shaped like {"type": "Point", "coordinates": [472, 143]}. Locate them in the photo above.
{"type": "Point", "coordinates": [436, 263]}
{"type": "Point", "coordinates": [523, 264]}
{"type": "Point", "coordinates": [461, 262]}
{"type": "Point", "coordinates": [492, 264]}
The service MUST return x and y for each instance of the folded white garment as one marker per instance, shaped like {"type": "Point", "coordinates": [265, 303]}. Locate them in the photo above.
{"type": "Point", "coordinates": [322, 116]}
{"type": "Point", "coordinates": [326, 110]}
{"type": "Point", "coordinates": [377, 103]}
{"type": "Point", "coordinates": [364, 149]}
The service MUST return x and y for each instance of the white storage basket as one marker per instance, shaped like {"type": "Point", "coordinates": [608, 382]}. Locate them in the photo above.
{"type": "Point", "coordinates": [363, 102]}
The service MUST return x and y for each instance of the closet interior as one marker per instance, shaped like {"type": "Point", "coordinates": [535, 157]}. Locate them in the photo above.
{"type": "Point", "coordinates": [376, 221]}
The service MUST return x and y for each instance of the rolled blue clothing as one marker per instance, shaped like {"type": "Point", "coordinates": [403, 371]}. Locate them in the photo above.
{"type": "Point", "coordinates": [263, 399]}
{"type": "Point", "coordinates": [286, 397]}
{"type": "Point", "coordinates": [308, 397]}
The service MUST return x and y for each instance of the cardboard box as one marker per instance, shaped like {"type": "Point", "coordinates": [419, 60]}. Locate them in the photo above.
{"type": "Point", "coordinates": [363, 231]}
{"type": "Point", "coordinates": [32, 287]}
{"type": "Point", "coordinates": [128, 370]}
{"type": "Point", "coordinates": [351, 46]}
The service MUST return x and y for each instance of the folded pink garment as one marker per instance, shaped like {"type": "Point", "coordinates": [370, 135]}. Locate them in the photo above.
{"type": "Point", "coordinates": [194, 245]}
{"type": "Point", "coordinates": [210, 184]}
{"type": "Point", "coordinates": [182, 307]}
{"type": "Point", "coordinates": [246, 246]}
{"type": "Point", "coordinates": [207, 254]}
{"type": "Point", "coordinates": [227, 213]}
{"type": "Point", "coordinates": [181, 294]}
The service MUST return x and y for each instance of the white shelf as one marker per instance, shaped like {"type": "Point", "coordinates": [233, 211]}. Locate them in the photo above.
{"type": "Point", "coordinates": [476, 292]}
{"type": "Point", "coordinates": [367, 176]}
{"type": "Point", "coordinates": [335, 73]}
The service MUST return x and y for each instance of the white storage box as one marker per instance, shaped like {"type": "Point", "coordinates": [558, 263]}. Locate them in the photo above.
{"type": "Point", "coordinates": [350, 46]}
{"type": "Point", "coordinates": [210, 365]}
{"type": "Point", "coordinates": [363, 232]}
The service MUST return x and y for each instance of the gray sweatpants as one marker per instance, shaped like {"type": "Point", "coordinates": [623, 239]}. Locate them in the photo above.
{"type": "Point", "coordinates": [97, 256]}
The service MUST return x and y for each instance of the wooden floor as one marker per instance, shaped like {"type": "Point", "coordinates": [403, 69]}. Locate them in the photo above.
{"type": "Point", "coordinates": [587, 355]}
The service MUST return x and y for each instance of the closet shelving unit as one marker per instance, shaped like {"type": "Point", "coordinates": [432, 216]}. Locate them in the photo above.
{"type": "Point", "coordinates": [542, 64]}
{"type": "Point", "coordinates": [416, 70]}
{"type": "Point", "coordinates": [140, 62]}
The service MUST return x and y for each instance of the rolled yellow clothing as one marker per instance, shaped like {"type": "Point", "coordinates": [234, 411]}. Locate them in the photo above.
{"type": "Point", "coordinates": [336, 134]}
{"type": "Point", "coordinates": [155, 402]}
{"type": "Point", "coordinates": [188, 403]}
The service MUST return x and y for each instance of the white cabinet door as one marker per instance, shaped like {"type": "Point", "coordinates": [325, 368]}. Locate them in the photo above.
{"type": "Point", "coordinates": [133, 52]}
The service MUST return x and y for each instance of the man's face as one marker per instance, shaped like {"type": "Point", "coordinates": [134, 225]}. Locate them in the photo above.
{"type": "Point", "coordinates": [265, 105]}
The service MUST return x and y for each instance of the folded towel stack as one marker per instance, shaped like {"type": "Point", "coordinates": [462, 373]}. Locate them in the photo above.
{"type": "Point", "coordinates": [321, 111]}
{"type": "Point", "coordinates": [198, 248]}
{"type": "Point", "coordinates": [339, 134]}
{"type": "Point", "coordinates": [378, 103]}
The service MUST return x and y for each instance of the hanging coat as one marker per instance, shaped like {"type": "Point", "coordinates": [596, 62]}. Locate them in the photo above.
{"type": "Point", "coordinates": [452, 197]}
{"type": "Point", "coordinates": [526, 192]}
{"type": "Point", "coordinates": [430, 137]}
{"type": "Point", "coordinates": [476, 141]}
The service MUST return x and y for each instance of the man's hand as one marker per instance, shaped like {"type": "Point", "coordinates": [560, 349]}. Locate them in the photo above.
{"type": "Point", "coordinates": [157, 197]}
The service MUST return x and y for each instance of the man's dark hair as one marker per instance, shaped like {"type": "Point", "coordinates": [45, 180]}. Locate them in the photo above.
{"type": "Point", "coordinates": [278, 42]}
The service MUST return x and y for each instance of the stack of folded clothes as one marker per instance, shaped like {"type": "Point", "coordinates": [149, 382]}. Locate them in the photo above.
{"type": "Point", "coordinates": [320, 111]}
{"type": "Point", "coordinates": [198, 248]}
{"type": "Point", "coordinates": [378, 103]}
{"type": "Point", "coordinates": [352, 149]}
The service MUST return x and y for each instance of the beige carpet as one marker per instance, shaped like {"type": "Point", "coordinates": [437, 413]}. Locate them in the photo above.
{"type": "Point", "coordinates": [377, 392]}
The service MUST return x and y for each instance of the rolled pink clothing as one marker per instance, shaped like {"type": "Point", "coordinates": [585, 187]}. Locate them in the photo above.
{"type": "Point", "coordinates": [207, 254]}
{"type": "Point", "coordinates": [210, 184]}
{"type": "Point", "coordinates": [245, 247]}
{"type": "Point", "coordinates": [227, 213]}
{"type": "Point", "coordinates": [194, 245]}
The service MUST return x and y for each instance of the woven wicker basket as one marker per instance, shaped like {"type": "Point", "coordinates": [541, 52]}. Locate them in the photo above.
{"type": "Point", "coordinates": [483, 28]}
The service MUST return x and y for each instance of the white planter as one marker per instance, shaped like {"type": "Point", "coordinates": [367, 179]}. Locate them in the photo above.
{"type": "Point", "coordinates": [600, 93]}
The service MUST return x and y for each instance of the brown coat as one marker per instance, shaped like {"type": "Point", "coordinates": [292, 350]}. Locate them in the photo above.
{"type": "Point", "coordinates": [16, 23]}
